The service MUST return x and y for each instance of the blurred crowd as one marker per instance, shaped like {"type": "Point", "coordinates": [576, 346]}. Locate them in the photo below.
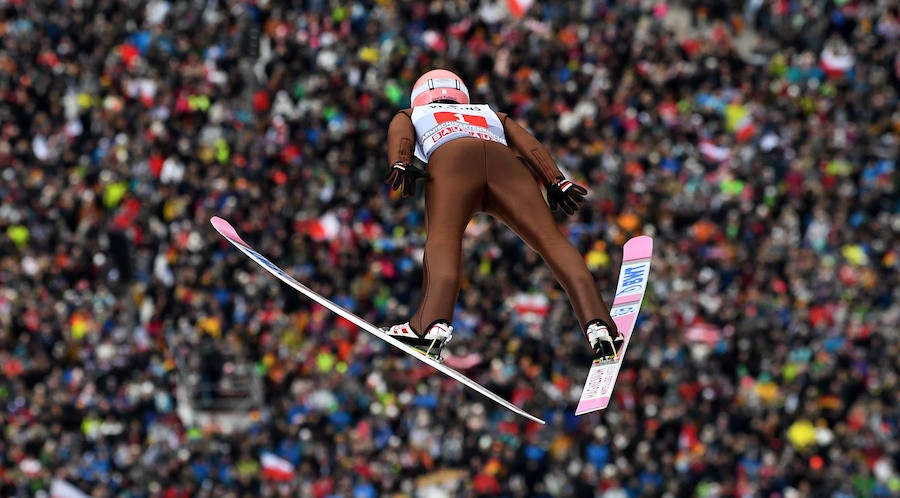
{"type": "Point", "coordinates": [756, 141]}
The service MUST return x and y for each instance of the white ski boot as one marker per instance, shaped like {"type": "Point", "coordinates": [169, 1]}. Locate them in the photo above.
{"type": "Point", "coordinates": [436, 336]}
{"type": "Point", "coordinates": [602, 343]}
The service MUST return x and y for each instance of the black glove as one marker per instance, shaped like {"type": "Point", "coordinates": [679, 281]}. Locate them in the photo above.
{"type": "Point", "coordinates": [403, 176]}
{"type": "Point", "coordinates": [566, 194]}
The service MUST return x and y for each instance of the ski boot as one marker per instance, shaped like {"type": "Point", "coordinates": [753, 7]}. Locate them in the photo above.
{"type": "Point", "coordinates": [605, 347]}
{"type": "Point", "coordinates": [430, 343]}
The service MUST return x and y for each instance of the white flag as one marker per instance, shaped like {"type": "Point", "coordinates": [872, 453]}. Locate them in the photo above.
{"type": "Point", "coordinates": [63, 489]}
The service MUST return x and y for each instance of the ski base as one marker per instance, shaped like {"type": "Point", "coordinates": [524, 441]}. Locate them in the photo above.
{"type": "Point", "coordinates": [632, 285]}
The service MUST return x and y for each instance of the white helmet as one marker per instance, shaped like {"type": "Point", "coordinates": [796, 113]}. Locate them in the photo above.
{"type": "Point", "coordinates": [439, 84]}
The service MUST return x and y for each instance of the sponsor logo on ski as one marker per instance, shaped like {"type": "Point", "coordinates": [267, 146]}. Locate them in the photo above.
{"type": "Point", "coordinates": [623, 310]}
{"type": "Point", "coordinates": [597, 384]}
{"type": "Point", "coordinates": [634, 278]}
{"type": "Point", "coordinates": [265, 262]}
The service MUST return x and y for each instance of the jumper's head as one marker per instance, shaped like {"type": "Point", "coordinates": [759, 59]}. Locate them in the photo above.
{"type": "Point", "coordinates": [439, 85]}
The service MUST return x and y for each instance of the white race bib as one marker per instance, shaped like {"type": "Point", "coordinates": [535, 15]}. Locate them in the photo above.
{"type": "Point", "coordinates": [437, 124]}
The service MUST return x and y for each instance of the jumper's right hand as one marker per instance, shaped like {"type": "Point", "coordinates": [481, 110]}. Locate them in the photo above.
{"type": "Point", "coordinates": [403, 177]}
{"type": "Point", "coordinates": [565, 194]}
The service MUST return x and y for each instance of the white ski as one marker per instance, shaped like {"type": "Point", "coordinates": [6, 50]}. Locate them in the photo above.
{"type": "Point", "coordinates": [228, 231]}
{"type": "Point", "coordinates": [633, 278]}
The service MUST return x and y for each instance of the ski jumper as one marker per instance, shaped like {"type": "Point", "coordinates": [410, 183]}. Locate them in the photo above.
{"type": "Point", "coordinates": [482, 161]}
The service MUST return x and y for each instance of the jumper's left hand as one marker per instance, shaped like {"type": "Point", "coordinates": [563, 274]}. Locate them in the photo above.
{"type": "Point", "coordinates": [565, 194]}
{"type": "Point", "coordinates": [403, 176]}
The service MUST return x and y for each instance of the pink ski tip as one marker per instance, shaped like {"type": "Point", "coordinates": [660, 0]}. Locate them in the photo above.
{"type": "Point", "coordinates": [591, 405]}
{"type": "Point", "coordinates": [226, 230]}
{"type": "Point", "coordinates": [639, 247]}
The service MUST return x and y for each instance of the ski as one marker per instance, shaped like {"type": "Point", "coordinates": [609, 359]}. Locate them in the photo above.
{"type": "Point", "coordinates": [226, 230]}
{"type": "Point", "coordinates": [633, 278]}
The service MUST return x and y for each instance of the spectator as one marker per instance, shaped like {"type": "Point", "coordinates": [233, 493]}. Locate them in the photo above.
{"type": "Point", "coordinates": [765, 172]}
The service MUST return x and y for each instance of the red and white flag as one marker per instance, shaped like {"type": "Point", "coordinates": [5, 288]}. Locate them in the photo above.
{"type": "Point", "coordinates": [703, 332]}
{"type": "Point", "coordinates": [518, 7]}
{"type": "Point", "coordinates": [713, 152]}
{"type": "Point", "coordinates": [276, 468]}
{"type": "Point", "coordinates": [30, 467]}
{"type": "Point", "coordinates": [326, 227]}
{"type": "Point", "coordinates": [746, 129]}
{"type": "Point", "coordinates": [836, 63]}
{"type": "Point", "coordinates": [532, 308]}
